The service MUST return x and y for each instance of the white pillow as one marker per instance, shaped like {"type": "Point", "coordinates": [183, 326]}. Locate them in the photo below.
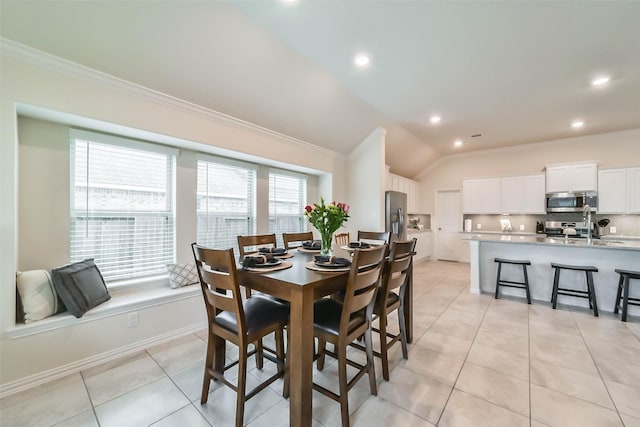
{"type": "Point", "coordinates": [38, 296]}
{"type": "Point", "coordinates": [182, 275]}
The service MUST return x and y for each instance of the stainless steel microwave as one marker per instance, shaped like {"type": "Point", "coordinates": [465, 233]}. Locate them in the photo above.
{"type": "Point", "coordinates": [572, 202]}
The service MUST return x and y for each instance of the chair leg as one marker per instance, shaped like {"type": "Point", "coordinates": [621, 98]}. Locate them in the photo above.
{"type": "Point", "coordinates": [526, 283]}
{"type": "Point", "coordinates": [592, 293]}
{"type": "Point", "coordinates": [372, 368]}
{"type": "Point", "coordinates": [619, 294]}
{"type": "Point", "coordinates": [322, 345]}
{"type": "Point", "coordinates": [403, 332]}
{"type": "Point", "coordinates": [384, 348]}
{"type": "Point", "coordinates": [554, 294]}
{"type": "Point", "coordinates": [207, 364]}
{"type": "Point", "coordinates": [280, 348]}
{"type": "Point", "coordinates": [342, 380]}
{"type": "Point", "coordinates": [625, 301]}
{"type": "Point", "coordinates": [498, 279]}
{"type": "Point", "coordinates": [285, 389]}
{"type": "Point", "coordinates": [242, 385]}
{"type": "Point", "coordinates": [259, 354]}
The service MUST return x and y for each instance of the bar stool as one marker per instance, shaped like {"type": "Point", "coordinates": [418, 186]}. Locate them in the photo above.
{"type": "Point", "coordinates": [590, 293]}
{"type": "Point", "coordinates": [623, 284]}
{"type": "Point", "coordinates": [522, 285]}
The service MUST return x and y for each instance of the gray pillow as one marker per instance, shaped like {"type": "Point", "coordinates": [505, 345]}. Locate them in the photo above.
{"type": "Point", "coordinates": [80, 286]}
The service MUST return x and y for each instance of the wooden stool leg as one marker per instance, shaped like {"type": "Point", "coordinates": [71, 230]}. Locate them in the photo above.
{"type": "Point", "coordinates": [619, 294]}
{"type": "Point", "coordinates": [625, 301]}
{"type": "Point", "coordinates": [592, 293]}
{"type": "Point", "coordinates": [498, 279]}
{"type": "Point", "coordinates": [526, 283]}
{"type": "Point", "coordinates": [554, 293]}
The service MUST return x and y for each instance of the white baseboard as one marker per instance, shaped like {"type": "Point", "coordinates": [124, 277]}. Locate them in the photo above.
{"type": "Point", "coordinates": [89, 362]}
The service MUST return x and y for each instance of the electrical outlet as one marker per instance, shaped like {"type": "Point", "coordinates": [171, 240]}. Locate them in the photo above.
{"type": "Point", "coordinates": [479, 226]}
{"type": "Point", "coordinates": [132, 319]}
{"type": "Point", "coordinates": [612, 230]}
{"type": "Point", "coordinates": [521, 227]}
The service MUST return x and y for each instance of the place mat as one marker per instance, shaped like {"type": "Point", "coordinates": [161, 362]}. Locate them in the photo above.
{"type": "Point", "coordinates": [284, 256]}
{"type": "Point", "coordinates": [311, 251]}
{"type": "Point", "coordinates": [312, 266]}
{"type": "Point", "coordinates": [282, 266]}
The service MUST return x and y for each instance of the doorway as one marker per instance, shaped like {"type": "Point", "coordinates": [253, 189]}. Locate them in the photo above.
{"type": "Point", "coordinates": [448, 223]}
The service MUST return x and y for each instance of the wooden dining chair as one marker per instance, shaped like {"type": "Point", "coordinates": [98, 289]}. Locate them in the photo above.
{"type": "Point", "coordinates": [238, 322]}
{"type": "Point", "coordinates": [342, 322]}
{"type": "Point", "coordinates": [382, 236]}
{"type": "Point", "coordinates": [255, 241]}
{"type": "Point", "coordinates": [390, 298]}
{"type": "Point", "coordinates": [248, 245]}
{"type": "Point", "coordinates": [342, 239]}
{"type": "Point", "coordinates": [289, 238]}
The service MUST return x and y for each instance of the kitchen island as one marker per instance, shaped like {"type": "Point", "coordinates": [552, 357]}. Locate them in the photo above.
{"type": "Point", "coordinates": [607, 255]}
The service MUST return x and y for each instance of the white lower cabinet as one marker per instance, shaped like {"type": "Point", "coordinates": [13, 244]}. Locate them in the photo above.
{"type": "Point", "coordinates": [424, 245]}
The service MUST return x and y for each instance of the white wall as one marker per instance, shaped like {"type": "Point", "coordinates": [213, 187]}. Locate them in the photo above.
{"type": "Point", "coordinates": [366, 178]}
{"type": "Point", "coordinates": [31, 78]}
{"type": "Point", "coordinates": [616, 149]}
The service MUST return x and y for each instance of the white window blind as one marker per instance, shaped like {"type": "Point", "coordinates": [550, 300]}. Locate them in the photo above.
{"type": "Point", "coordinates": [122, 205]}
{"type": "Point", "coordinates": [287, 199]}
{"type": "Point", "coordinates": [225, 203]}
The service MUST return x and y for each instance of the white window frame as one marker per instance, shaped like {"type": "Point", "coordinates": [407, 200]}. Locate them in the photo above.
{"type": "Point", "coordinates": [302, 199]}
{"type": "Point", "coordinates": [234, 219]}
{"type": "Point", "coordinates": [143, 265]}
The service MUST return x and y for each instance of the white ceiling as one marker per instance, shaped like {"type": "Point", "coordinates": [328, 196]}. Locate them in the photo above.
{"type": "Point", "coordinates": [515, 72]}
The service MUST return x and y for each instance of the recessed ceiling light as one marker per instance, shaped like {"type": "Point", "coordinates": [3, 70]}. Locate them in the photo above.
{"type": "Point", "coordinates": [599, 81]}
{"type": "Point", "coordinates": [435, 119]}
{"type": "Point", "coordinates": [577, 124]}
{"type": "Point", "coordinates": [362, 60]}
{"type": "Point", "coordinates": [457, 143]}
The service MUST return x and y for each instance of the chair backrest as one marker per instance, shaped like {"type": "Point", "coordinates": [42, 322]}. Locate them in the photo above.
{"type": "Point", "coordinates": [342, 239]}
{"type": "Point", "coordinates": [253, 241]}
{"type": "Point", "coordinates": [289, 238]}
{"type": "Point", "coordinates": [219, 283]}
{"type": "Point", "coordinates": [382, 236]}
{"type": "Point", "coordinates": [364, 277]}
{"type": "Point", "coordinates": [396, 267]}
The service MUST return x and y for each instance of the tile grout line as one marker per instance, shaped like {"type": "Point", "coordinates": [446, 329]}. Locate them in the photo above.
{"type": "Point", "coordinates": [453, 387]}
{"type": "Point", "coordinates": [604, 383]}
{"type": "Point", "coordinates": [93, 408]}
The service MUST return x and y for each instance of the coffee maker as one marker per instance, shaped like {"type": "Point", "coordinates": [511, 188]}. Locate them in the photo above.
{"type": "Point", "coordinates": [539, 227]}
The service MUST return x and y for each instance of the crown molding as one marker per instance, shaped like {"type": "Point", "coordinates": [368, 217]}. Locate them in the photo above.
{"type": "Point", "coordinates": [54, 63]}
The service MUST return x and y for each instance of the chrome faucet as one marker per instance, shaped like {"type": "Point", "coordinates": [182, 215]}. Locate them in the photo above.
{"type": "Point", "coordinates": [586, 217]}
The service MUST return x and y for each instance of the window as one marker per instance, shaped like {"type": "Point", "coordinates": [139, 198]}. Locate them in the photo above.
{"type": "Point", "coordinates": [122, 204]}
{"type": "Point", "coordinates": [287, 199]}
{"type": "Point", "coordinates": [225, 202]}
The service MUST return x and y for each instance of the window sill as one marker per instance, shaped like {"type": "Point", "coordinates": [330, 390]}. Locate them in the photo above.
{"type": "Point", "coordinates": [123, 299]}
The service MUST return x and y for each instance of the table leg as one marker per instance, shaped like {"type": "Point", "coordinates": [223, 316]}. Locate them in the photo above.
{"type": "Point", "coordinates": [408, 303]}
{"type": "Point", "coordinates": [301, 346]}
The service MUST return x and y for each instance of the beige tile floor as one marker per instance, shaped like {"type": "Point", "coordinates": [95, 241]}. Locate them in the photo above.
{"type": "Point", "coordinates": [475, 361]}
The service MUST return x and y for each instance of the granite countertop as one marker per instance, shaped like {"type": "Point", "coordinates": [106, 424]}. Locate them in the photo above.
{"type": "Point", "coordinates": [504, 233]}
{"type": "Point", "coordinates": [553, 241]}
{"type": "Point", "coordinates": [415, 230]}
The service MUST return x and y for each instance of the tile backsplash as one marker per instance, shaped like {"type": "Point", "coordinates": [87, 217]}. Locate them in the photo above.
{"type": "Point", "coordinates": [626, 225]}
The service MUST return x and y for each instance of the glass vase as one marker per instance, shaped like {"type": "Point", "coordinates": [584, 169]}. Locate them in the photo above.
{"type": "Point", "coordinates": [326, 241]}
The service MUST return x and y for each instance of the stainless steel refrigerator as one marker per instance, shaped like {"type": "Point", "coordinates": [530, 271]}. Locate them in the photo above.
{"type": "Point", "coordinates": [396, 215]}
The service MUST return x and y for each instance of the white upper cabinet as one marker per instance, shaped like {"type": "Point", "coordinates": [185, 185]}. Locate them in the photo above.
{"type": "Point", "coordinates": [481, 196]}
{"type": "Point", "coordinates": [410, 187]}
{"type": "Point", "coordinates": [619, 191]}
{"type": "Point", "coordinates": [633, 190]}
{"type": "Point", "coordinates": [534, 194]}
{"type": "Point", "coordinates": [509, 195]}
{"type": "Point", "coordinates": [573, 177]}
{"type": "Point", "coordinates": [612, 191]}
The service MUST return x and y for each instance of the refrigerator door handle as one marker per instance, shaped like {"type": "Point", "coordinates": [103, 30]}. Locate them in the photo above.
{"type": "Point", "coordinates": [400, 220]}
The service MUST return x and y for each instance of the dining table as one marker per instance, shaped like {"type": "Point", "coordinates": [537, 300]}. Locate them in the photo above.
{"type": "Point", "coordinates": [301, 286]}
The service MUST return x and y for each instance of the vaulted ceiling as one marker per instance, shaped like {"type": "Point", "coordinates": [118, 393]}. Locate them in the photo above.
{"type": "Point", "coordinates": [513, 72]}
